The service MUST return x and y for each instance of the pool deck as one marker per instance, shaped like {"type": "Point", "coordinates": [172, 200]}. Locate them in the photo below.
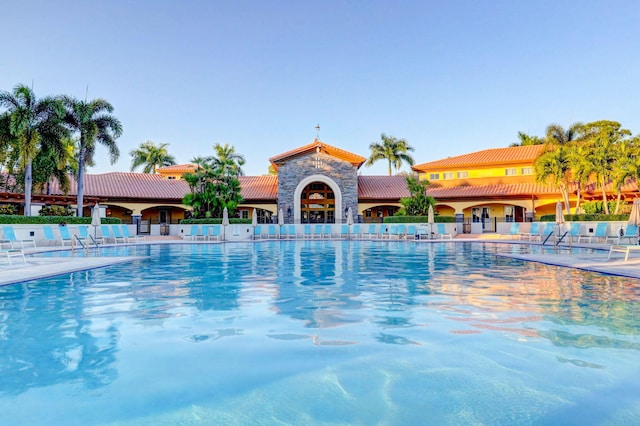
{"type": "Point", "coordinates": [44, 266]}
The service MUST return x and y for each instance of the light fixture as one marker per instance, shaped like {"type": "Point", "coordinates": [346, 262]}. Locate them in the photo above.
{"type": "Point", "coordinates": [317, 161]}
{"type": "Point", "coordinates": [289, 212]}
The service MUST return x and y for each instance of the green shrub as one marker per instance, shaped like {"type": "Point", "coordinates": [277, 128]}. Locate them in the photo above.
{"type": "Point", "coordinates": [215, 221]}
{"type": "Point", "coordinates": [55, 211]}
{"type": "Point", "coordinates": [8, 209]}
{"type": "Point", "coordinates": [53, 220]}
{"type": "Point", "coordinates": [418, 219]}
{"type": "Point", "coordinates": [591, 217]}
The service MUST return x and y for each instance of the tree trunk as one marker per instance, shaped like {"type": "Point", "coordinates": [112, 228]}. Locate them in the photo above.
{"type": "Point", "coordinates": [28, 183]}
{"type": "Point", "coordinates": [80, 198]}
{"type": "Point", "coordinates": [618, 202]}
{"type": "Point", "coordinates": [579, 193]}
{"type": "Point", "coordinates": [604, 196]}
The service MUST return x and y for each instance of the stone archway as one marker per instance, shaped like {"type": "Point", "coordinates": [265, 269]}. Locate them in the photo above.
{"type": "Point", "coordinates": [317, 178]}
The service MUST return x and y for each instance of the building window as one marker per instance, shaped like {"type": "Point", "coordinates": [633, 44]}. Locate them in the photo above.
{"type": "Point", "coordinates": [434, 176]}
{"type": "Point", "coordinates": [448, 175]}
{"type": "Point", "coordinates": [526, 171]}
{"type": "Point", "coordinates": [509, 213]}
{"type": "Point", "coordinates": [463, 175]}
{"type": "Point", "coordinates": [245, 214]}
{"type": "Point", "coordinates": [511, 172]}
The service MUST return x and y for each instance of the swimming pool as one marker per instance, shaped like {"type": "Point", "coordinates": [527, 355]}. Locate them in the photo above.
{"type": "Point", "coordinates": [321, 332]}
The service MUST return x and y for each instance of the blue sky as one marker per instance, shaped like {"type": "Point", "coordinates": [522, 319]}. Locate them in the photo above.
{"type": "Point", "coordinates": [451, 77]}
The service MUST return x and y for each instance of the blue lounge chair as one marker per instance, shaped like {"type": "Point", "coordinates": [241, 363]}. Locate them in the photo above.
{"type": "Point", "coordinates": [355, 233]}
{"type": "Point", "coordinates": [344, 231]}
{"type": "Point", "coordinates": [600, 233]}
{"type": "Point", "coordinates": [402, 231]}
{"type": "Point", "coordinates": [411, 232]}
{"type": "Point", "coordinates": [384, 232]}
{"type": "Point", "coordinates": [317, 231]}
{"type": "Point", "coordinates": [514, 231]}
{"type": "Point", "coordinates": [215, 233]}
{"type": "Point", "coordinates": [193, 233]}
{"type": "Point", "coordinates": [10, 237]}
{"type": "Point", "coordinates": [65, 235]}
{"type": "Point", "coordinates": [204, 233]}
{"type": "Point", "coordinates": [549, 228]}
{"type": "Point", "coordinates": [272, 234]}
{"type": "Point", "coordinates": [393, 232]}
{"type": "Point", "coordinates": [85, 235]}
{"type": "Point", "coordinates": [328, 232]}
{"type": "Point", "coordinates": [533, 234]}
{"type": "Point", "coordinates": [307, 232]}
{"type": "Point", "coordinates": [574, 231]}
{"type": "Point", "coordinates": [371, 232]}
{"type": "Point", "coordinates": [630, 232]}
{"type": "Point", "coordinates": [291, 233]}
{"type": "Point", "coordinates": [49, 235]}
{"type": "Point", "coordinates": [441, 232]}
{"type": "Point", "coordinates": [257, 232]}
{"type": "Point", "coordinates": [117, 234]}
{"type": "Point", "coordinates": [128, 237]}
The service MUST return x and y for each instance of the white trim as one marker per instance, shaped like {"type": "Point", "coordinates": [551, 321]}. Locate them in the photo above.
{"type": "Point", "coordinates": [317, 178]}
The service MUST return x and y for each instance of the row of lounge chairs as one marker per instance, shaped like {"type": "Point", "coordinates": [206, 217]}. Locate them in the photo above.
{"type": "Point", "coordinates": [358, 231]}
{"type": "Point", "coordinates": [601, 234]}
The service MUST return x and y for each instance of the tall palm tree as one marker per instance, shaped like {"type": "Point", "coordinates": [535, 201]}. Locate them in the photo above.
{"type": "Point", "coordinates": [392, 149]}
{"type": "Point", "coordinates": [151, 156]}
{"type": "Point", "coordinates": [553, 165]}
{"type": "Point", "coordinates": [227, 160]}
{"type": "Point", "coordinates": [32, 125]}
{"type": "Point", "coordinates": [602, 138]}
{"type": "Point", "coordinates": [93, 121]}
{"type": "Point", "coordinates": [580, 169]}
{"type": "Point", "coordinates": [559, 163]}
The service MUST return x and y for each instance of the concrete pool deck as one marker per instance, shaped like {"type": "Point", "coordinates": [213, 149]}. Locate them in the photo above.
{"type": "Point", "coordinates": [37, 267]}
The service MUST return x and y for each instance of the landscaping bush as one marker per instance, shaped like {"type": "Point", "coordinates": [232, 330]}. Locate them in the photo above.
{"type": "Point", "coordinates": [8, 209]}
{"type": "Point", "coordinates": [55, 211]}
{"type": "Point", "coordinates": [592, 217]}
{"type": "Point", "coordinates": [215, 221]}
{"type": "Point", "coordinates": [418, 219]}
{"type": "Point", "coordinates": [53, 220]}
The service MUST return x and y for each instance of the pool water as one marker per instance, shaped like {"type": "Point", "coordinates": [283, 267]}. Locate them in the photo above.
{"type": "Point", "coordinates": [321, 332]}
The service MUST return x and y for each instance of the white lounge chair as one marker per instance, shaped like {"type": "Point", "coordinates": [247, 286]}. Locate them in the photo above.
{"type": "Point", "coordinates": [9, 253]}
{"type": "Point", "coordinates": [441, 232]}
{"type": "Point", "coordinates": [10, 236]}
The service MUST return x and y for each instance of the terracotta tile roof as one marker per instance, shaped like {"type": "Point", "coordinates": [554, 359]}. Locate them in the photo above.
{"type": "Point", "coordinates": [382, 187]}
{"type": "Point", "coordinates": [129, 185]}
{"type": "Point", "coordinates": [177, 168]}
{"type": "Point", "coordinates": [257, 188]}
{"type": "Point", "coordinates": [354, 159]}
{"type": "Point", "coordinates": [520, 190]}
{"type": "Point", "coordinates": [487, 157]}
{"type": "Point", "coordinates": [122, 185]}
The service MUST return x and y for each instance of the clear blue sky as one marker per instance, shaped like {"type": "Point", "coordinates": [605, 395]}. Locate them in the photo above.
{"type": "Point", "coordinates": [451, 77]}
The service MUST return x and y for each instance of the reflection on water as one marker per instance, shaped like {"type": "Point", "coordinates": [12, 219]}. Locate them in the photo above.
{"type": "Point", "coordinates": [90, 328]}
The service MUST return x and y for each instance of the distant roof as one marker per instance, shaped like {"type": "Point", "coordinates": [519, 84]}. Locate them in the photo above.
{"type": "Point", "coordinates": [177, 168]}
{"type": "Point", "coordinates": [516, 190]}
{"type": "Point", "coordinates": [356, 160]}
{"type": "Point", "coordinates": [124, 185]}
{"type": "Point", "coordinates": [515, 154]}
{"type": "Point", "coordinates": [382, 187]}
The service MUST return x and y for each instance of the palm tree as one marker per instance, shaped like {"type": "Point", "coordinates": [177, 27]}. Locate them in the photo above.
{"type": "Point", "coordinates": [553, 165]}
{"type": "Point", "coordinates": [580, 169]}
{"type": "Point", "coordinates": [227, 160]}
{"type": "Point", "coordinates": [602, 138]}
{"type": "Point", "coordinates": [558, 164]}
{"type": "Point", "coordinates": [394, 150]}
{"type": "Point", "coordinates": [93, 121]}
{"type": "Point", "coordinates": [33, 125]}
{"type": "Point", "coordinates": [151, 156]}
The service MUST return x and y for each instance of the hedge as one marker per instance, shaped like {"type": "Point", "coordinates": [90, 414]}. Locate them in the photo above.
{"type": "Point", "coordinates": [52, 220]}
{"type": "Point", "coordinates": [215, 221]}
{"type": "Point", "coordinates": [591, 217]}
{"type": "Point", "coordinates": [418, 219]}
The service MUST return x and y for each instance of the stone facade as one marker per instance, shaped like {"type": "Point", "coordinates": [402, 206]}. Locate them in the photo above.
{"type": "Point", "coordinates": [294, 175]}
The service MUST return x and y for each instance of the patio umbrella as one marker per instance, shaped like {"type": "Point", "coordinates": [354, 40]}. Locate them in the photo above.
{"type": "Point", "coordinates": [634, 217]}
{"type": "Point", "coordinates": [95, 219]}
{"type": "Point", "coordinates": [280, 217]}
{"type": "Point", "coordinates": [431, 220]}
{"type": "Point", "coordinates": [349, 217]}
{"type": "Point", "coordinates": [559, 213]}
{"type": "Point", "coordinates": [254, 218]}
{"type": "Point", "coordinates": [225, 222]}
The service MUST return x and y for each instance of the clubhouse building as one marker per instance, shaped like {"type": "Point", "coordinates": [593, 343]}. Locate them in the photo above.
{"type": "Point", "coordinates": [318, 183]}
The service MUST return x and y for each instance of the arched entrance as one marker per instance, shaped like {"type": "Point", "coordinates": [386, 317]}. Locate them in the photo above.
{"type": "Point", "coordinates": [317, 199]}
{"type": "Point", "coordinates": [317, 204]}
